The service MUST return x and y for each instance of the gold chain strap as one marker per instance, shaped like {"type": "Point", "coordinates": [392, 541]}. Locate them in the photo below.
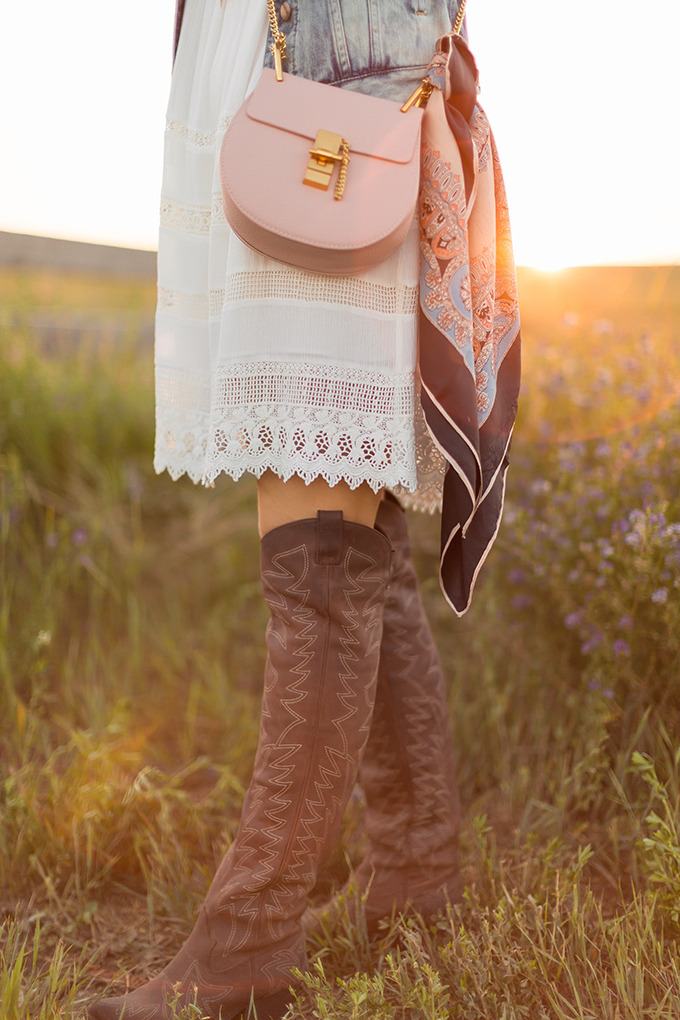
{"type": "Point", "coordinates": [278, 47]}
{"type": "Point", "coordinates": [458, 23]}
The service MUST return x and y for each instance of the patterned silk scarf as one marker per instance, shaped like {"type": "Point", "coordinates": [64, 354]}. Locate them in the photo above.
{"type": "Point", "coordinates": [469, 346]}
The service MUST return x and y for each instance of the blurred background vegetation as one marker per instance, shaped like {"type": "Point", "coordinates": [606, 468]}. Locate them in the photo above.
{"type": "Point", "coordinates": [131, 653]}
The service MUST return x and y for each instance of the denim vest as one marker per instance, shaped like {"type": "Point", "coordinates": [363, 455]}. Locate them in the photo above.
{"type": "Point", "coordinates": [381, 47]}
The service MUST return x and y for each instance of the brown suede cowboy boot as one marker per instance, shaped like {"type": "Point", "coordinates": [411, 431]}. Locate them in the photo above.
{"type": "Point", "coordinates": [407, 772]}
{"type": "Point", "coordinates": [324, 581]}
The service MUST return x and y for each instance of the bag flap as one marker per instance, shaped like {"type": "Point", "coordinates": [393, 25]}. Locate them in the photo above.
{"type": "Point", "coordinates": [372, 126]}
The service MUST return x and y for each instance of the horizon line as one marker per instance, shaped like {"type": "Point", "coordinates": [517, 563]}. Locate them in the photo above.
{"type": "Point", "coordinates": [23, 248]}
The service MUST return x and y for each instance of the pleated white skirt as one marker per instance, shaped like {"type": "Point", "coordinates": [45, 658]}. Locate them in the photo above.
{"type": "Point", "coordinates": [260, 366]}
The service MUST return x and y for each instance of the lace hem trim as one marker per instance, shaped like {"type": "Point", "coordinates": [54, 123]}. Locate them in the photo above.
{"type": "Point", "coordinates": [309, 420]}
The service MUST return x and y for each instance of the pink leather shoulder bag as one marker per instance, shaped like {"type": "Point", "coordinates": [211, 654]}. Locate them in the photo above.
{"type": "Point", "coordinates": [317, 176]}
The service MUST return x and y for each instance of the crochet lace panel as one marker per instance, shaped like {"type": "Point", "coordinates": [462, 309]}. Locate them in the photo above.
{"type": "Point", "coordinates": [292, 286]}
{"type": "Point", "coordinates": [350, 291]}
{"type": "Point", "coordinates": [305, 420]}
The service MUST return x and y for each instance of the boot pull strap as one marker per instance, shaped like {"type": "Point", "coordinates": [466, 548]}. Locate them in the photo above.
{"type": "Point", "coordinates": [329, 537]}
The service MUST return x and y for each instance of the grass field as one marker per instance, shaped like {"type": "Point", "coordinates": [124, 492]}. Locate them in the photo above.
{"type": "Point", "coordinates": [131, 652]}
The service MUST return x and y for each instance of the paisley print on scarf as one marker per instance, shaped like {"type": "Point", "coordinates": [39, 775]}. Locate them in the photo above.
{"type": "Point", "coordinates": [469, 322]}
{"type": "Point", "coordinates": [444, 245]}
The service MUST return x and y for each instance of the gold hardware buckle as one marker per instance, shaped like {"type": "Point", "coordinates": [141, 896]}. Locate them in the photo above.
{"type": "Point", "coordinates": [328, 150]}
{"type": "Point", "coordinates": [420, 96]}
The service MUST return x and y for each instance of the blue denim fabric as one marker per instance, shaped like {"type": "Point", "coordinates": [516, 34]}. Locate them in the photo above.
{"type": "Point", "coordinates": [381, 47]}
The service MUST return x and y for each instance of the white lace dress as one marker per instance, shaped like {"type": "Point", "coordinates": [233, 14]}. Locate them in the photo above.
{"type": "Point", "coordinates": [259, 365]}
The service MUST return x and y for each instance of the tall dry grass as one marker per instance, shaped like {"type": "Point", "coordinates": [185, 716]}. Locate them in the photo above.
{"type": "Point", "coordinates": [131, 653]}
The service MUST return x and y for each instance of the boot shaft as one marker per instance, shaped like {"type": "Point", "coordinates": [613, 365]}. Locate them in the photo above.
{"type": "Point", "coordinates": [324, 581]}
{"type": "Point", "coordinates": [408, 773]}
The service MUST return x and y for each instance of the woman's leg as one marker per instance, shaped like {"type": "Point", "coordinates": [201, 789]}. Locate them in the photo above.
{"type": "Point", "coordinates": [280, 502]}
{"type": "Point", "coordinates": [324, 579]}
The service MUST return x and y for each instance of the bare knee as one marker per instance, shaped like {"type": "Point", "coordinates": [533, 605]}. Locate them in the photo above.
{"type": "Point", "coordinates": [282, 502]}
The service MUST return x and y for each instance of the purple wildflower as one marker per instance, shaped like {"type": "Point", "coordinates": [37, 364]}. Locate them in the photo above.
{"type": "Point", "coordinates": [516, 576]}
{"type": "Point", "coordinates": [592, 643]}
{"type": "Point", "coordinates": [540, 487]}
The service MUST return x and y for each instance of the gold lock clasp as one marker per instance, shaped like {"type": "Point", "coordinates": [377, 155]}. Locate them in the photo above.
{"type": "Point", "coordinates": [328, 150]}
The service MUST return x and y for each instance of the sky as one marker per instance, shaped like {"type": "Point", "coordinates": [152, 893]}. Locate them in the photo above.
{"type": "Point", "coordinates": [584, 109]}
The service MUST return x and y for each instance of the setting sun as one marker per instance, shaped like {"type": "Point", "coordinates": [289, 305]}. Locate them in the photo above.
{"type": "Point", "coordinates": [549, 264]}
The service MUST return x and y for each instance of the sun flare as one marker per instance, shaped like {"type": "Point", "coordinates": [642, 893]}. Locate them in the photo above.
{"type": "Point", "coordinates": [550, 264]}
